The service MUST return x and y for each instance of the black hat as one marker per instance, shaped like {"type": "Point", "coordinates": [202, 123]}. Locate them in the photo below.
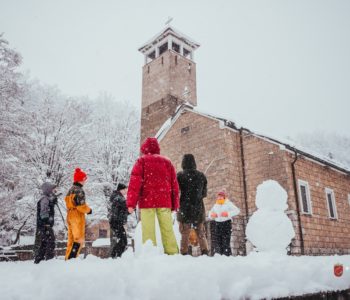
{"type": "Point", "coordinates": [121, 187]}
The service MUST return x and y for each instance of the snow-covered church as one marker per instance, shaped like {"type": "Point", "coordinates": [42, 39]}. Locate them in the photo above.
{"type": "Point", "coordinates": [236, 158]}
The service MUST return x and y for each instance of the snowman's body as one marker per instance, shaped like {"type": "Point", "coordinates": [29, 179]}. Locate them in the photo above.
{"type": "Point", "coordinates": [269, 228]}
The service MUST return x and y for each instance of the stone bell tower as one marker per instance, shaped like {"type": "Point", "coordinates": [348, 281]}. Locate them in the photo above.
{"type": "Point", "coordinates": [168, 78]}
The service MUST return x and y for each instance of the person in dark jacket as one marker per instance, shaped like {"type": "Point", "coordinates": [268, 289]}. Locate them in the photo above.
{"type": "Point", "coordinates": [193, 187]}
{"type": "Point", "coordinates": [44, 247]}
{"type": "Point", "coordinates": [118, 216]}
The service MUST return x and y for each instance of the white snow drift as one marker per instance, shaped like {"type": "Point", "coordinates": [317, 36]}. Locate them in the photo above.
{"type": "Point", "coordinates": [152, 275]}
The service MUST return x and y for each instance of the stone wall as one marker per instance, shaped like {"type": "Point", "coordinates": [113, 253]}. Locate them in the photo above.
{"type": "Point", "coordinates": [92, 231]}
{"type": "Point", "coordinates": [167, 82]}
{"type": "Point", "coordinates": [169, 74]}
{"type": "Point", "coordinates": [323, 235]}
{"type": "Point", "coordinates": [154, 115]}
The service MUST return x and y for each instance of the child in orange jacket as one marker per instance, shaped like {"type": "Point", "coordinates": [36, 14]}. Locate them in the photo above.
{"type": "Point", "coordinates": [76, 210]}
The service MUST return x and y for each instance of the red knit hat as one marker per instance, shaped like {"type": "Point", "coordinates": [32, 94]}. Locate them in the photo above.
{"type": "Point", "coordinates": [222, 193]}
{"type": "Point", "coordinates": [79, 175]}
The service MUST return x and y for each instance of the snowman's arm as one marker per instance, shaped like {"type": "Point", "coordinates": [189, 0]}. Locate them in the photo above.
{"type": "Point", "coordinates": [232, 210]}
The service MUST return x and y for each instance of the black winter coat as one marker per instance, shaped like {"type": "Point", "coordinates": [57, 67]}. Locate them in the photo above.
{"type": "Point", "coordinates": [193, 187]}
{"type": "Point", "coordinates": [118, 212]}
{"type": "Point", "coordinates": [46, 206]}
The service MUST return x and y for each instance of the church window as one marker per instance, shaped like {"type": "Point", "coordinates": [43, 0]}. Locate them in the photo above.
{"type": "Point", "coordinates": [185, 130]}
{"type": "Point", "coordinates": [152, 55]}
{"type": "Point", "coordinates": [175, 47]}
{"type": "Point", "coordinates": [163, 48]}
{"type": "Point", "coordinates": [304, 197]}
{"type": "Point", "coordinates": [187, 53]}
{"type": "Point", "coordinates": [102, 233]}
{"type": "Point", "coordinates": [332, 210]}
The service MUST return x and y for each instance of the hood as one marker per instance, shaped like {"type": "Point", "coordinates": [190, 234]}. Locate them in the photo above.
{"type": "Point", "coordinates": [121, 186]}
{"type": "Point", "coordinates": [47, 188]}
{"type": "Point", "coordinates": [188, 162]}
{"type": "Point", "coordinates": [150, 146]}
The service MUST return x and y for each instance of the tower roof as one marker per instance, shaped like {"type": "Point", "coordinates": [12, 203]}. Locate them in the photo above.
{"type": "Point", "coordinates": [169, 30]}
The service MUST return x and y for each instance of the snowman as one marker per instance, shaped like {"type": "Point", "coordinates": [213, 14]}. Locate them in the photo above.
{"type": "Point", "coordinates": [269, 229]}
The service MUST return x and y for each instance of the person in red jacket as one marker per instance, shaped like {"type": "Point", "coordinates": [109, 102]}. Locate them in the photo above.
{"type": "Point", "coordinates": [153, 187]}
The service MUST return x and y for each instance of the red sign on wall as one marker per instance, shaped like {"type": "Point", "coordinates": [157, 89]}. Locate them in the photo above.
{"type": "Point", "coordinates": [338, 270]}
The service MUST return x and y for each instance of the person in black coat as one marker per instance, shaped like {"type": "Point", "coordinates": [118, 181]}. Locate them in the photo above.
{"type": "Point", "coordinates": [44, 246]}
{"type": "Point", "coordinates": [193, 187]}
{"type": "Point", "coordinates": [118, 215]}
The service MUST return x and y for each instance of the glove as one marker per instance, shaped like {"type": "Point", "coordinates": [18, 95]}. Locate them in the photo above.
{"type": "Point", "coordinates": [224, 214]}
{"type": "Point", "coordinates": [90, 212]}
{"type": "Point", "coordinates": [213, 215]}
{"type": "Point", "coordinates": [47, 231]}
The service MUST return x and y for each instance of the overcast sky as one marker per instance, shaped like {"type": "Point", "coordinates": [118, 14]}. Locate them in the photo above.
{"type": "Point", "coordinates": [279, 67]}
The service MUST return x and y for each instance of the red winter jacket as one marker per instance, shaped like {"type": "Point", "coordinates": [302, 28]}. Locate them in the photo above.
{"type": "Point", "coordinates": [153, 182]}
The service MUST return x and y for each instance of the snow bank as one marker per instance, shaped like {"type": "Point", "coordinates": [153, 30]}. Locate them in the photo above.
{"type": "Point", "coordinates": [158, 276]}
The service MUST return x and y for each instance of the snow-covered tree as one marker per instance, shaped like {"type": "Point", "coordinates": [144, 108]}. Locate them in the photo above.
{"type": "Point", "coordinates": [113, 147]}
{"type": "Point", "coordinates": [57, 136]}
{"type": "Point", "coordinates": [12, 87]}
{"type": "Point", "coordinates": [12, 133]}
{"type": "Point", "coordinates": [45, 135]}
{"type": "Point", "coordinates": [329, 144]}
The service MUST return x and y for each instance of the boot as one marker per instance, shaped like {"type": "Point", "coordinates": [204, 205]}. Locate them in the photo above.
{"type": "Point", "coordinates": [205, 252]}
{"type": "Point", "coordinates": [74, 251]}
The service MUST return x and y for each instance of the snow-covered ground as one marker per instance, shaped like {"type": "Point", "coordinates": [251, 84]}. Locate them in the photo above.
{"type": "Point", "coordinates": [152, 275]}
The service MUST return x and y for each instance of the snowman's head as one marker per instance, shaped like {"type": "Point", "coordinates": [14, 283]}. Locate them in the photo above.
{"type": "Point", "coordinates": [271, 195]}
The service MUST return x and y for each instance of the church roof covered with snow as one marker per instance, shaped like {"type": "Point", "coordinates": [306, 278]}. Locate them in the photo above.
{"type": "Point", "coordinates": [284, 145]}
